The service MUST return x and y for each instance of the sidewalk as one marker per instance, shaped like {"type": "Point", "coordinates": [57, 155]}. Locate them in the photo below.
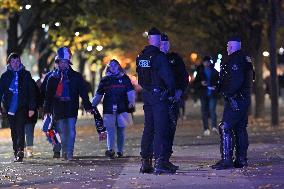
{"type": "Point", "coordinates": [193, 152]}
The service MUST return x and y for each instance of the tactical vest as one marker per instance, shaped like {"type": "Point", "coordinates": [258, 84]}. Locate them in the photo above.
{"type": "Point", "coordinates": [144, 68]}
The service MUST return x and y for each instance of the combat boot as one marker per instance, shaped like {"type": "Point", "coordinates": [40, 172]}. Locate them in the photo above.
{"type": "Point", "coordinates": [240, 162]}
{"type": "Point", "coordinates": [162, 166]}
{"type": "Point", "coordinates": [226, 147]}
{"type": "Point", "coordinates": [146, 166]}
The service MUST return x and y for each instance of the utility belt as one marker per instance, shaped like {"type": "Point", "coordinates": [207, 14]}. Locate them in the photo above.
{"type": "Point", "coordinates": [233, 100]}
{"type": "Point", "coordinates": [162, 92]}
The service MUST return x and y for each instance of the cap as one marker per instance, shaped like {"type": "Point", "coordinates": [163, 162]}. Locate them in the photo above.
{"type": "Point", "coordinates": [235, 38]}
{"type": "Point", "coordinates": [164, 37]}
{"type": "Point", "coordinates": [154, 31]}
{"type": "Point", "coordinates": [63, 53]}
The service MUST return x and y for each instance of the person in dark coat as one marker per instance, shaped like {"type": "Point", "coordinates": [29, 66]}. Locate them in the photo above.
{"type": "Point", "coordinates": [236, 78]}
{"type": "Point", "coordinates": [64, 86]}
{"type": "Point", "coordinates": [181, 82]}
{"type": "Point", "coordinates": [206, 83]}
{"type": "Point", "coordinates": [16, 92]}
{"type": "Point", "coordinates": [157, 80]}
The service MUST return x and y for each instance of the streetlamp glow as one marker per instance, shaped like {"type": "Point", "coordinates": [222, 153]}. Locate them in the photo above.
{"type": "Point", "coordinates": [281, 50]}
{"type": "Point", "coordinates": [265, 53]}
{"type": "Point", "coordinates": [28, 7]}
{"type": "Point", "coordinates": [89, 48]}
{"type": "Point", "coordinates": [57, 24]}
{"type": "Point", "coordinates": [77, 33]}
{"type": "Point", "coordinates": [43, 26]}
{"type": "Point", "coordinates": [99, 48]}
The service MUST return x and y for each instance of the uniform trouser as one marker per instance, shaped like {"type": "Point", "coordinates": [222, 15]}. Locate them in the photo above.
{"type": "Point", "coordinates": [156, 133]}
{"type": "Point", "coordinates": [236, 128]}
{"type": "Point", "coordinates": [174, 112]}
{"type": "Point", "coordinates": [17, 126]}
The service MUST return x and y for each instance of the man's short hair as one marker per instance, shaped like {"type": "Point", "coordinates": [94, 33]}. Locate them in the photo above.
{"type": "Point", "coordinates": [12, 56]}
{"type": "Point", "coordinates": [235, 38]}
{"type": "Point", "coordinates": [154, 31]}
{"type": "Point", "coordinates": [164, 37]}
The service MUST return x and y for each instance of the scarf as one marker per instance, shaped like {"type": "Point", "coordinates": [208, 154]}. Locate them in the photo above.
{"type": "Point", "coordinates": [14, 88]}
{"type": "Point", "coordinates": [62, 90]}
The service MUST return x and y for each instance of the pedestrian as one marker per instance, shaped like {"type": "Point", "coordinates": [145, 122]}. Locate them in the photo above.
{"type": "Point", "coordinates": [48, 123]}
{"type": "Point", "coordinates": [236, 79]}
{"type": "Point", "coordinates": [205, 83]}
{"type": "Point", "coordinates": [181, 82]}
{"type": "Point", "coordinates": [31, 122]}
{"type": "Point", "coordinates": [119, 96]}
{"type": "Point", "coordinates": [157, 80]}
{"type": "Point", "coordinates": [18, 98]}
{"type": "Point", "coordinates": [64, 86]}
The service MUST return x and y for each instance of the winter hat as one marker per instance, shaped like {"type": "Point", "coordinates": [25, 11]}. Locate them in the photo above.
{"type": "Point", "coordinates": [63, 53]}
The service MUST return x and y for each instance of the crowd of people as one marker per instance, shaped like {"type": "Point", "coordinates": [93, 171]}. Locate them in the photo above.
{"type": "Point", "coordinates": [163, 78]}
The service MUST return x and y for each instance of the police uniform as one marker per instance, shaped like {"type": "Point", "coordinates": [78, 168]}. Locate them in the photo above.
{"type": "Point", "coordinates": [156, 79]}
{"type": "Point", "coordinates": [236, 78]}
{"type": "Point", "coordinates": [181, 81]}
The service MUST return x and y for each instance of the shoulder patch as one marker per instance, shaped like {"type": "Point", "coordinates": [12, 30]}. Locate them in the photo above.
{"type": "Point", "coordinates": [248, 59]}
{"type": "Point", "coordinates": [235, 67]}
{"type": "Point", "coordinates": [144, 63]}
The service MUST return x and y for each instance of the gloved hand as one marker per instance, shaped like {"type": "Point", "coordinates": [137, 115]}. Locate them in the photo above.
{"type": "Point", "coordinates": [178, 94]}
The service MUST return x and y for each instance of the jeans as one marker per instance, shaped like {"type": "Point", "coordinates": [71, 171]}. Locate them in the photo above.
{"type": "Point", "coordinates": [208, 108]}
{"type": "Point", "coordinates": [29, 132]}
{"type": "Point", "coordinates": [113, 128]}
{"type": "Point", "coordinates": [67, 131]}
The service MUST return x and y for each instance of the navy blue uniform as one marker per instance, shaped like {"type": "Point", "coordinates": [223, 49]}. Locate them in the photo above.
{"type": "Point", "coordinates": [236, 78]}
{"type": "Point", "coordinates": [181, 82]}
{"type": "Point", "coordinates": [156, 78]}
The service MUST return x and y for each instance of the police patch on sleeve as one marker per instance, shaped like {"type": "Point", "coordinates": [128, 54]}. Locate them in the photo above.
{"type": "Point", "coordinates": [248, 59]}
{"type": "Point", "coordinates": [144, 63]}
{"type": "Point", "coordinates": [235, 67]}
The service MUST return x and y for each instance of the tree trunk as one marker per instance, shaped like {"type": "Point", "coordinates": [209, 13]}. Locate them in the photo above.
{"type": "Point", "coordinates": [273, 66]}
{"type": "Point", "coordinates": [12, 32]}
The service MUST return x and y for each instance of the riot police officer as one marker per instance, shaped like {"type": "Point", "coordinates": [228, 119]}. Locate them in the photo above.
{"type": "Point", "coordinates": [156, 79]}
{"type": "Point", "coordinates": [181, 82]}
{"type": "Point", "coordinates": [236, 78]}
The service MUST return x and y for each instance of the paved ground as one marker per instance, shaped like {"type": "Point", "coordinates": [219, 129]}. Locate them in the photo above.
{"type": "Point", "coordinates": [194, 153]}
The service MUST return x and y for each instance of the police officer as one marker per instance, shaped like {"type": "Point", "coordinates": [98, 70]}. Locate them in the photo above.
{"type": "Point", "coordinates": [156, 79]}
{"type": "Point", "coordinates": [181, 82]}
{"type": "Point", "coordinates": [236, 78]}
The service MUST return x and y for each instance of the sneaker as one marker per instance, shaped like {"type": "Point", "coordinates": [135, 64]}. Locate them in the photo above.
{"type": "Point", "coordinates": [119, 154]}
{"type": "Point", "coordinates": [110, 154]}
{"type": "Point", "coordinates": [214, 129]}
{"type": "Point", "coordinates": [206, 132]}
{"type": "Point", "coordinates": [19, 157]}
{"type": "Point", "coordinates": [56, 155]}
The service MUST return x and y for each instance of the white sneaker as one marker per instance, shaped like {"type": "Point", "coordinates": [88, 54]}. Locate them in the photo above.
{"type": "Point", "coordinates": [214, 129]}
{"type": "Point", "coordinates": [29, 152]}
{"type": "Point", "coordinates": [206, 132]}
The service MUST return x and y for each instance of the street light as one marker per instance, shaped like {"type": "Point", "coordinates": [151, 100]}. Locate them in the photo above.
{"type": "Point", "coordinates": [89, 48]}
{"type": "Point", "coordinates": [77, 33]}
{"type": "Point", "coordinates": [99, 48]}
{"type": "Point", "coordinates": [265, 53]}
{"type": "Point", "coordinates": [281, 50]}
{"type": "Point", "coordinates": [57, 24]}
{"type": "Point", "coordinates": [28, 7]}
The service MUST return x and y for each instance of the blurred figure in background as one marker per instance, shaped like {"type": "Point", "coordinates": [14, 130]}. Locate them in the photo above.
{"type": "Point", "coordinates": [205, 84]}
{"type": "Point", "coordinates": [31, 122]}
